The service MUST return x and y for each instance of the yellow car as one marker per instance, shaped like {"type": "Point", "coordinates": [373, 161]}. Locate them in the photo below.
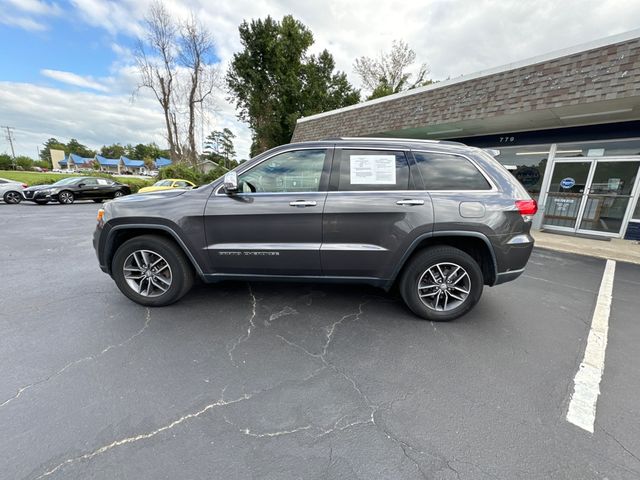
{"type": "Point", "coordinates": [168, 184]}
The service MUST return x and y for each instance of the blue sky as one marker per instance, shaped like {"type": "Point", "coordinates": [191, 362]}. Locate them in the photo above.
{"type": "Point", "coordinates": [66, 42]}
{"type": "Point", "coordinates": [66, 71]}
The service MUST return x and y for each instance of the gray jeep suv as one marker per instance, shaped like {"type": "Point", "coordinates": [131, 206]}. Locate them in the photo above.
{"type": "Point", "coordinates": [438, 219]}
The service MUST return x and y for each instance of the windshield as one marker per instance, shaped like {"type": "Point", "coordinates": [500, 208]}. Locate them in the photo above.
{"type": "Point", "coordinates": [66, 181]}
{"type": "Point", "coordinates": [163, 183]}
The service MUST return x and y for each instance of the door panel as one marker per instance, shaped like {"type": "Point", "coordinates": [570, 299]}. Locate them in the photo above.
{"type": "Point", "coordinates": [273, 225]}
{"type": "Point", "coordinates": [568, 183]}
{"type": "Point", "coordinates": [366, 225]}
{"type": "Point", "coordinates": [264, 234]}
{"type": "Point", "coordinates": [609, 196]}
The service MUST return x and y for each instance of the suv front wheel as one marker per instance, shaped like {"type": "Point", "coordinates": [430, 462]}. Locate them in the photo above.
{"type": "Point", "coordinates": [441, 283]}
{"type": "Point", "coordinates": [152, 271]}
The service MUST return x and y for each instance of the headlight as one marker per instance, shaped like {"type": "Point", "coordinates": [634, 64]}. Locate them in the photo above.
{"type": "Point", "coordinates": [47, 191]}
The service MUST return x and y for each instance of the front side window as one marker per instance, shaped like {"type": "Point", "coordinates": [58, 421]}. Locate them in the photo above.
{"type": "Point", "coordinates": [441, 171]}
{"type": "Point", "coordinates": [366, 170]}
{"type": "Point", "coordinates": [296, 171]}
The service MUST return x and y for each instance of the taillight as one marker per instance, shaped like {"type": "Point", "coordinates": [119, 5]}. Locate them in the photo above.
{"type": "Point", "coordinates": [527, 207]}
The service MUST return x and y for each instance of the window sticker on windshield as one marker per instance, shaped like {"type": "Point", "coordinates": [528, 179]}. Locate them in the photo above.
{"type": "Point", "coordinates": [372, 169]}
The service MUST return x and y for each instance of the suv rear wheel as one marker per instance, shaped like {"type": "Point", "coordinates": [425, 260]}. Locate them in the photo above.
{"type": "Point", "coordinates": [441, 283]}
{"type": "Point", "coordinates": [152, 271]}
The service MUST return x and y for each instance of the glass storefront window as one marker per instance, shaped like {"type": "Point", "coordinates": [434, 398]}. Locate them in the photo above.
{"type": "Point", "coordinates": [527, 164]}
{"type": "Point", "coordinates": [636, 213]}
{"type": "Point", "coordinates": [614, 148]}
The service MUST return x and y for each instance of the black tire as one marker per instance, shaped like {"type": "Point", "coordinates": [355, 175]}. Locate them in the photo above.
{"type": "Point", "coordinates": [65, 197]}
{"type": "Point", "coordinates": [41, 202]}
{"type": "Point", "coordinates": [180, 269]}
{"type": "Point", "coordinates": [12, 197]}
{"type": "Point", "coordinates": [97, 200]}
{"type": "Point", "coordinates": [118, 194]}
{"type": "Point", "coordinates": [416, 278]}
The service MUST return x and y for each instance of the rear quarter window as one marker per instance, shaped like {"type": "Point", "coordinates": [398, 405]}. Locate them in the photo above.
{"type": "Point", "coordinates": [443, 171]}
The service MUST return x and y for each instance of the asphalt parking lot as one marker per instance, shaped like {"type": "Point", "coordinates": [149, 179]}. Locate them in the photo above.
{"type": "Point", "coordinates": [279, 381]}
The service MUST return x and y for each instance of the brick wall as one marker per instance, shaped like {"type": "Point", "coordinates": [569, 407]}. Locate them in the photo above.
{"type": "Point", "coordinates": [604, 73]}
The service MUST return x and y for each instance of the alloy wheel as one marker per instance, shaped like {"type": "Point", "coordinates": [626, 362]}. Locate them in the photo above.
{"type": "Point", "coordinates": [66, 197]}
{"type": "Point", "coordinates": [147, 273]}
{"type": "Point", "coordinates": [12, 197]}
{"type": "Point", "coordinates": [444, 286]}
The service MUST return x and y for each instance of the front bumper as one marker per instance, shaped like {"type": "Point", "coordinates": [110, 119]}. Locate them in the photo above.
{"type": "Point", "coordinates": [98, 235]}
{"type": "Point", "coordinates": [34, 196]}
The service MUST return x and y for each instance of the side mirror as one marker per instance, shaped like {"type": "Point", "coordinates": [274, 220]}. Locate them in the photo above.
{"type": "Point", "coordinates": [230, 182]}
{"type": "Point", "coordinates": [81, 185]}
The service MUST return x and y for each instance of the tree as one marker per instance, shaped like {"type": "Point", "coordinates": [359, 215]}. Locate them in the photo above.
{"type": "Point", "coordinates": [45, 154]}
{"type": "Point", "coordinates": [74, 146]}
{"type": "Point", "coordinates": [112, 151]}
{"type": "Point", "coordinates": [219, 147]}
{"type": "Point", "coordinates": [175, 61]}
{"type": "Point", "coordinates": [157, 67]}
{"type": "Point", "coordinates": [273, 81]}
{"type": "Point", "coordinates": [196, 56]}
{"type": "Point", "coordinates": [388, 73]}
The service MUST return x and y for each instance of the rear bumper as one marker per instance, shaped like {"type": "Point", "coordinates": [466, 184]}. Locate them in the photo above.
{"type": "Point", "coordinates": [513, 256]}
{"type": "Point", "coordinates": [505, 277]}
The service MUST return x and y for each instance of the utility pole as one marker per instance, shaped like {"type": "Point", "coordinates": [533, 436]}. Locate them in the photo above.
{"type": "Point", "coordinates": [9, 136]}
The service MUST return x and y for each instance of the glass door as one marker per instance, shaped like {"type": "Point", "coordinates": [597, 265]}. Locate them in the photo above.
{"type": "Point", "coordinates": [565, 196]}
{"type": "Point", "coordinates": [608, 197]}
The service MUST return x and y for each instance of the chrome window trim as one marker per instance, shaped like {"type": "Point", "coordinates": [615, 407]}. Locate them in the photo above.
{"type": "Point", "coordinates": [473, 162]}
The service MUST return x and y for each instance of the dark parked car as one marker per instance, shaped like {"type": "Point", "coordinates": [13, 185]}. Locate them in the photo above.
{"type": "Point", "coordinates": [438, 219]}
{"type": "Point", "coordinates": [70, 189]}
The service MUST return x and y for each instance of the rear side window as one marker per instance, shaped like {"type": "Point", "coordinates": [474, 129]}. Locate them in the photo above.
{"type": "Point", "coordinates": [366, 170]}
{"type": "Point", "coordinates": [441, 171]}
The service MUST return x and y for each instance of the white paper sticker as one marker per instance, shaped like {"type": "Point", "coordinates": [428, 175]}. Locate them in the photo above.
{"type": "Point", "coordinates": [373, 169]}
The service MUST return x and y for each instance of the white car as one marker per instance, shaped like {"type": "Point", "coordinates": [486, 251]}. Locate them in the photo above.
{"type": "Point", "coordinates": [11, 190]}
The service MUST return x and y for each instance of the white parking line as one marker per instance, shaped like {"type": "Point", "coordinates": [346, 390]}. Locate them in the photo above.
{"type": "Point", "coordinates": [582, 408]}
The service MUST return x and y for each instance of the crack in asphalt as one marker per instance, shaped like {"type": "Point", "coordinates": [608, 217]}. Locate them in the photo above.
{"type": "Point", "coordinates": [245, 336]}
{"type": "Point", "coordinates": [144, 436]}
{"type": "Point", "coordinates": [610, 435]}
{"type": "Point", "coordinates": [69, 365]}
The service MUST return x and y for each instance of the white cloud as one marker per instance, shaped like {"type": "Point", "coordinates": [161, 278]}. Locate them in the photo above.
{"type": "Point", "coordinates": [37, 7]}
{"type": "Point", "coordinates": [453, 37]}
{"type": "Point", "coordinates": [26, 14]}
{"type": "Point", "coordinates": [73, 79]}
{"type": "Point", "coordinates": [25, 23]}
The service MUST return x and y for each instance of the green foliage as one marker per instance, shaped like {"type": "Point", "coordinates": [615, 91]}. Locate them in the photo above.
{"type": "Point", "coordinates": [187, 172]}
{"type": "Point", "coordinates": [274, 82]}
{"type": "Point", "coordinates": [54, 143]}
{"type": "Point", "coordinates": [24, 162]}
{"type": "Point", "coordinates": [219, 148]}
{"type": "Point", "coordinates": [34, 178]}
{"type": "Point", "coordinates": [387, 74]}
{"type": "Point", "coordinates": [6, 162]}
{"type": "Point", "coordinates": [74, 146]}
{"type": "Point", "coordinates": [112, 151]}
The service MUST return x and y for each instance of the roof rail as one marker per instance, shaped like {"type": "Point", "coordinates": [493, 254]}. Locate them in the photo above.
{"type": "Point", "coordinates": [391, 139]}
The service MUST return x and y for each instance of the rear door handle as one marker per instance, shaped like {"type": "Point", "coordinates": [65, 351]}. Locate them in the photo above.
{"type": "Point", "coordinates": [410, 202]}
{"type": "Point", "coordinates": [303, 203]}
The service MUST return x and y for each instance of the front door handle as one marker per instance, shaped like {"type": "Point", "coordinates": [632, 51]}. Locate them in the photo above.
{"type": "Point", "coordinates": [303, 203]}
{"type": "Point", "coordinates": [410, 202]}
